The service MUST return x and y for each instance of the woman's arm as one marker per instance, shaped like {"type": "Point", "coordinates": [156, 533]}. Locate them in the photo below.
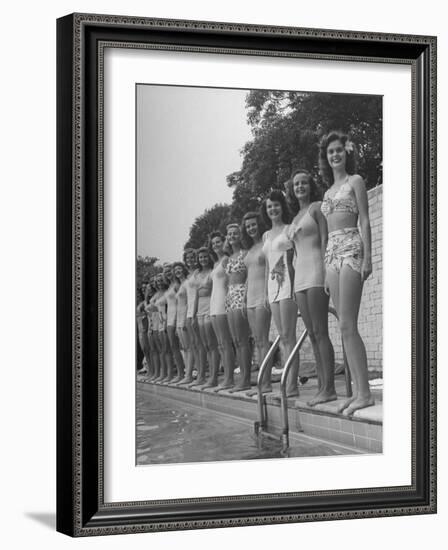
{"type": "Point", "coordinates": [266, 274]}
{"type": "Point", "coordinates": [196, 296]}
{"type": "Point", "coordinates": [322, 226]}
{"type": "Point", "coordinates": [360, 191]}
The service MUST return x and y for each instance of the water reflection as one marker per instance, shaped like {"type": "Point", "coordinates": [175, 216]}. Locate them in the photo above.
{"type": "Point", "coordinates": [189, 434]}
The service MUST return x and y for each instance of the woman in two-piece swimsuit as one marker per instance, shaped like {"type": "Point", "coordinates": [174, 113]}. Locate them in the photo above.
{"type": "Point", "coordinates": [180, 273]}
{"type": "Point", "coordinates": [218, 310]}
{"type": "Point", "coordinates": [198, 355]}
{"type": "Point", "coordinates": [162, 306]}
{"type": "Point", "coordinates": [278, 250]}
{"type": "Point", "coordinates": [348, 255]}
{"type": "Point", "coordinates": [236, 306]}
{"type": "Point", "coordinates": [206, 332]}
{"type": "Point", "coordinates": [171, 315]}
{"type": "Point", "coordinates": [308, 231]}
{"type": "Point", "coordinates": [258, 314]}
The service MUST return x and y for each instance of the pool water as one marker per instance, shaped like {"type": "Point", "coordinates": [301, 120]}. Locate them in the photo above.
{"type": "Point", "coordinates": [169, 432]}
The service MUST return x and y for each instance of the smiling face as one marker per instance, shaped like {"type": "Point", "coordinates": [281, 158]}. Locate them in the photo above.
{"type": "Point", "coordinates": [336, 154]}
{"type": "Point", "coordinates": [273, 210]}
{"type": "Point", "coordinates": [160, 282]}
{"type": "Point", "coordinates": [251, 225]}
{"type": "Point", "coordinates": [217, 245]}
{"type": "Point", "coordinates": [233, 235]}
{"type": "Point", "coordinates": [301, 186]}
{"type": "Point", "coordinates": [190, 260]}
{"type": "Point", "coordinates": [204, 259]}
{"type": "Point", "coordinates": [168, 272]}
{"type": "Point", "coordinates": [179, 272]}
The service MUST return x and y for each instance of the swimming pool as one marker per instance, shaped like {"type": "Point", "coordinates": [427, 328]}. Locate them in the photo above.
{"type": "Point", "coordinates": [169, 431]}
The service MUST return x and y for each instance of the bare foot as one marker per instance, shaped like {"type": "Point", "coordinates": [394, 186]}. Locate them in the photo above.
{"type": "Point", "coordinates": [264, 389]}
{"type": "Point", "coordinates": [186, 380]}
{"type": "Point", "coordinates": [225, 386]}
{"type": "Point", "coordinates": [240, 388]}
{"type": "Point", "coordinates": [358, 403]}
{"type": "Point", "coordinates": [345, 404]}
{"type": "Point", "coordinates": [199, 382]}
{"type": "Point", "coordinates": [322, 397]}
{"type": "Point", "coordinates": [211, 384]}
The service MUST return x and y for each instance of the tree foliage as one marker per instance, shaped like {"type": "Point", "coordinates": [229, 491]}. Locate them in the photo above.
{"type": "Point", "coordinates": [286, 130]}
{"type": "Point", "coordinates": [214, 218]}
{"type": "Point", "coordinates": [145, 269]}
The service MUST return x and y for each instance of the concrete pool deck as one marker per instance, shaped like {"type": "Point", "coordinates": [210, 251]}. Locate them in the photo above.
{"type": "Point", "coordinates": [362, 431]}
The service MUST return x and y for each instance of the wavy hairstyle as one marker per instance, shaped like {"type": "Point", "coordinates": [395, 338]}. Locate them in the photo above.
{"type": "Point", "coordinates": [246, 239]}
{"type": "Point", "coordinates": [292, 200]}
{"type": "Point", "coordinates": [163, 278]}
{"type": "Point", "coordinates": [212, 236]}
{"type": "Point", "coordinates": [205, 250]}
{"type": "Point", "coordinates": [275, 196]}
{"type": "Point", "coordinates": [184, 270]}
{"type": "Point", "coordinates": [188, 251]}
{"type": "Point", "coordinates": [228, 249]}
{"type": "Point", "coordinates": [351, 163]}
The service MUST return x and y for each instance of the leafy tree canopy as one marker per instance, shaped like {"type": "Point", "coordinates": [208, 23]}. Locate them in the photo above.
{"type": "Point", "coordinates": [215, 218]}
{"type": "Point", "coordinates": [286, 129]}
{"type": "Point", "coordinates": [145, 269]}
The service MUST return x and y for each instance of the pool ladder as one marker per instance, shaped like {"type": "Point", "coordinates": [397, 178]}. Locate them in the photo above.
{"type": "Point", "coordinates": [261, 425]}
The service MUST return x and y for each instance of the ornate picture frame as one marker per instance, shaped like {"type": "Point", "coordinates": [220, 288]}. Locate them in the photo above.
{"type": "Point", "coordinates": [81, 506]}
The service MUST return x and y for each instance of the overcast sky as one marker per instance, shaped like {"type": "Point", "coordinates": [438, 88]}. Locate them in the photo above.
{"type": "Point", "coordinates": [188, 140]}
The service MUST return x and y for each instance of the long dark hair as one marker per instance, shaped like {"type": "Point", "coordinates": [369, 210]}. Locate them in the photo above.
{"type": "Point", "coordinates": [205, 250]}
{"type": "Point", "coordinates": [211, 236]}
{"type": "Point", "coordinates": [351, 163]}
{"type": "Point", "coordinates": [275, 196]}
{"type": "Point", "coordinates": [247, 240]}
{"type": "Point", "coordinates": [293, 202]}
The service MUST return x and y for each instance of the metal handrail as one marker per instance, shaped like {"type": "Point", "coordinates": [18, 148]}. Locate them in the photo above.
{"type": "Point", "coordinates": [286, 369]}
{"type": "Point", "coordinates": [266, 361]}
{"type": "Point", "coordinates": [283, 398]}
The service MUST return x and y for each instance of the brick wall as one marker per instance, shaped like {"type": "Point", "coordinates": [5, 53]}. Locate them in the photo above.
{"type": "Point", "coordinates": [371, 310]}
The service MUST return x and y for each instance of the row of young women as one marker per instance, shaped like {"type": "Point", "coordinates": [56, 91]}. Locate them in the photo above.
{"type": "Point", "coordinates": [270, 265]}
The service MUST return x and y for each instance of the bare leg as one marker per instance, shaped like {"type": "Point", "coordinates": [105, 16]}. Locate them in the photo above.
{"type": "Point", "coordinates": [201, 355]}
{"type": "Point", "coordinates": [155, 356]}
{"type": "Point", "coordinates": [285, 318]}
{"type": "Point", "coordinates": [288, 314]}
{"type": "Point", "coordinates": [166, 350]}
{"type": "Point", "coordinates": [175, 348]}
{"type": "Point", "coordinates": [350, 291]}
{"type": "Point", "coordinates": [313, 306]}
{"type": "Point", "coordinates": [211, 345]}
{"type": "Point", "coordinates": [162, 370]}
{"type": "Point", "coordinates": [144, 345]}
{"type": "Point", "coordinates": [333, 281]}
{"type": "Point", "coordinates": [260, 321]}
{"type": "Point", "coordinates": [239, 328]}
{"type": "Point", "coordinates": [222, 331]}
{"type": "Point", "coordinates": [189, 357]}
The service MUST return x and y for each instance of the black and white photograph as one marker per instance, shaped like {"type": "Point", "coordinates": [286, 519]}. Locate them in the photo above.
{"type": "Point", "coordinates": [259, 296]}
